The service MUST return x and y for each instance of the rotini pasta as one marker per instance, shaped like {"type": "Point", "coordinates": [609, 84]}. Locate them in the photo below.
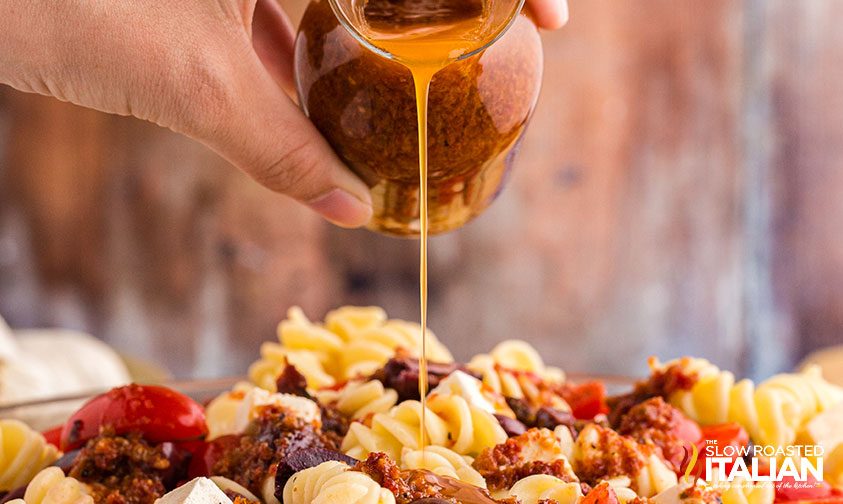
{"type": "Point", "coordinates": [472, 390]}
{"type": "Point", "coordinates": [275, 357]}
{"type": "Point", "coordinates": [334, 483]}
{"type": "Point", "coordinates": [518, 355]}
{"type": "Point", "coordinates": [601, 447]}
{"type": "Point", "coordinates": [221, 412]}
{"type": "Point", "coordinates": [353, 342]}
{"type": "Point", "coordinates": [772, 413]}
{"type": "Point", "coordinates": [257, 399]}
{"type": "Point", "coordinates": [543, 487]}
{"type": "Point", "coordinates": [622, 491]}
{"type": "Point", "coordinates": [833, 468]}
{"type": "Point", "coordinates": [24, 453]}
{"type": "Point", "coordinates": [824, 430]}
{"type": "Point", "coordinates": [444, 462]}
{"type": "Point", "coordinates": [515, 369]}
{"type": "Point", "coordinates": [450, 421]}
{"type": "Point", "coordinates": [231, 412]}
{"type": "Point", "coordinates": [51, 486]}
{"type": "Point", "coordinates": [358, 399]}
{"type": "Point", "coordinates": [487, 428]}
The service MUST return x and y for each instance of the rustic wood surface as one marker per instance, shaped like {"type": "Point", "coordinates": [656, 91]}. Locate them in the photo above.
{"type": "Point", "coordinates": [679, 191]}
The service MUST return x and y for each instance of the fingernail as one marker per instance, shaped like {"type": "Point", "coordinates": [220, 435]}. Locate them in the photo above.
{"type": "Point", "coordinates": [563, 12]}
{"type": "Point", "coordinates": [341, 208]}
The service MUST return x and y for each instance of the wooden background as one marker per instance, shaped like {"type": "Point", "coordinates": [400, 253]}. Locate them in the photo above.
{"type": "Point", "coordinates": [680, 190]}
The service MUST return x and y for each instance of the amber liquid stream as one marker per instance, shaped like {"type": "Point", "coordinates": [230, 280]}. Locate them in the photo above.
{"type": "Point", "coordinates": [435, 37]}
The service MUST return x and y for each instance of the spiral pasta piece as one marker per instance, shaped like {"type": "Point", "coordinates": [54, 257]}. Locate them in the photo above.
{"type": "Point", "coordinates": [543, 487]}
{"type": "Point", "coordinates": [515, 369]}
{"type": "Point", "coordinates": [615, 454]}
{"type": "Point", "coordinates": [834, 465]}
{"type": "Point", "coordinates": [772, 413]}
{"type": "Point", "coordinates": [221, 412]}
{"type": "Point", "coordinates": [358, 399]}
{"type": "Point", "coordinates": [353, 342]}
{"type": "Point", "coordinates": [334, 483]}
{"type": "Point", "coordinates": [444, 462]}
{"type": "Point", "coordinates": [449, 421]}
{"type": "Point", "coordinates": [51, 486]}
{"type": "Point", "coordinates": [24, 453]}
{"type": "Point", "coordinates": [275, 357]}
{"type": "Point", "coordinates": [369, 349]}
{"type": "Point", "coordinates": [518, 355]}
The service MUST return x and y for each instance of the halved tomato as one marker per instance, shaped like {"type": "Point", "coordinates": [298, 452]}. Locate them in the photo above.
{"type": "Point", "coordinates": [587, 400]}
{"type": "Point", "coordinates": [53, 436]}
{"type": "Point", "coordinates": [159, 414]}
{"type": "Point", "coordinates": [719, 437]}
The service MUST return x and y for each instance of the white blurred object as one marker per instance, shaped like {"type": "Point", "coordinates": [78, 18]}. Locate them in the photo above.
{"type": "Point", "coordinates": [8, 347]}
{"type": "Point", "coordinates": [41, 364]}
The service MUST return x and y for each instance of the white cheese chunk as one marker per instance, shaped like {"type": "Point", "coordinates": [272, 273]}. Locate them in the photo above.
{"type": "Point", "coordinates": [257, 399]}
{"type": "Point", "coordinates": [466, 386]}
{"type": "Point", "coordinates": [197, 491]}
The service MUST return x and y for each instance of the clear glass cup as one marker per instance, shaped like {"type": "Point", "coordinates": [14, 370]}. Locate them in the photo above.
{"type": "Point", "coordinates": [496, 16]}
{"type": "Point", "coordinates": [364, 105]}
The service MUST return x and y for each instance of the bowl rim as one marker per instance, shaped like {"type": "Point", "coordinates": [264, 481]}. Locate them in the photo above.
{"type": "Point", "coordinates": [200, 386]}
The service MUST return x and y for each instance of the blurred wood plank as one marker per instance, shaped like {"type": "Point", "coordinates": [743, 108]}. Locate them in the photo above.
{"type": "Point", "coordinates": [148, 240]}
{"type": "Point", "coordinates": [803, 49]}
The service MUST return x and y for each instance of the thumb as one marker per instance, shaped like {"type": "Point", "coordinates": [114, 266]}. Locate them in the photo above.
{"type": "Point", "coordinates": [264, 133]}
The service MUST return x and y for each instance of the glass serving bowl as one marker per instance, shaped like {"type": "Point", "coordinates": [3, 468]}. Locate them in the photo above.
{"type": "Point", "coordinates": [44, 414]}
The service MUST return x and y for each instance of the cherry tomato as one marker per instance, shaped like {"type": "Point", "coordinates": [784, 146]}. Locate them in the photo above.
{"type": "Point", "coordinates": [601, 494]}
{"type": "Point", "coordinates": [788, 489]}
{"type": "Point", "coordinates": [53, 436]}
{"type": "Point", "coordinates": [197, 450]}
{"type": "Point", "coordinates": [587, 400]}
{"type": "Point", "coordinates": [158, 413]}
{"type": "Point", "coordinates": [207, 453]}
{"type": "Point", "coordinates": [728, 434]}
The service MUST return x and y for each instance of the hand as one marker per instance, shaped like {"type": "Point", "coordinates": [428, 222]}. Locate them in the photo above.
{"type": "Point", "coordinates": [214, 70]}
{"type": "Point", "coordinates": [549, 14]}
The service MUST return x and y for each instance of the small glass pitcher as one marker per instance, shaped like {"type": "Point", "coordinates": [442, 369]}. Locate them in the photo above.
{"type": "Point", "coordinates": [364, 105]}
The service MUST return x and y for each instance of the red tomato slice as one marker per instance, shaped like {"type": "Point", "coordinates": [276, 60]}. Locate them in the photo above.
{"type": "Point", "coordinates": [601, 494]}
{"type": "Point", "coordinates": [158, 413]}
{"type": "Point", "coordinates": [198, 464]}
{"type": "Point", "coordinates": [722, 435]}
{"type": "Point", "coordinates": [728, 434]}
{"type": "Point", "coordinates": [206, 454]}
{"type": "Point", "coordinates": [53, 436]}
{"type": "Point", "coordinates": [788, 489]}
{"type": "Point", "coordinates": [587, 400]}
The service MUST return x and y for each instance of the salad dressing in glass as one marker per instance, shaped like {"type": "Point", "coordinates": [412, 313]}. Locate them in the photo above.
{"type": "Point", "coordinates": [425, 36]}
